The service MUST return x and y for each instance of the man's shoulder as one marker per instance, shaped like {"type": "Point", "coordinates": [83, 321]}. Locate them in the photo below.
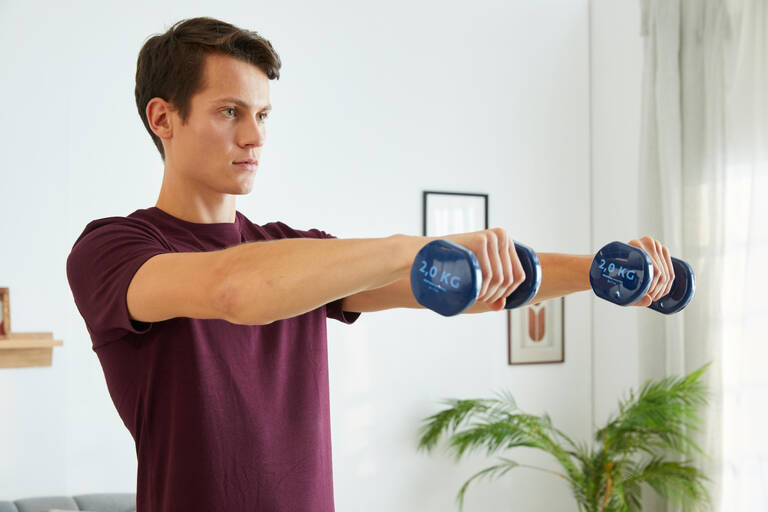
{"type": "Point", "coordinates": [133, 223]}
{"type": "Point", "coordinates": [279, 229]}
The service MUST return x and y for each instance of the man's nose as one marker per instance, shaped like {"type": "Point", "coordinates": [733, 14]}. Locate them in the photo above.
{"type": "Point", "coordinates": [252, 133]}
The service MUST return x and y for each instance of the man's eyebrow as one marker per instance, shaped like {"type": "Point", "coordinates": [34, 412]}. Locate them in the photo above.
{"type": "Point", "coordinates": [240, 103]}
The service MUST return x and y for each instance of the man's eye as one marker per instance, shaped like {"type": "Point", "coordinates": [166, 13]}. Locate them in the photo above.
{"type": "Point", "coordinates": [262, 115]}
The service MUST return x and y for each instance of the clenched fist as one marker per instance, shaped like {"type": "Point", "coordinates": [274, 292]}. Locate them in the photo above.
{"type": "Point", "coordinates": [499, 263]}
{"type": "Point", "coordinates": [663, 271]}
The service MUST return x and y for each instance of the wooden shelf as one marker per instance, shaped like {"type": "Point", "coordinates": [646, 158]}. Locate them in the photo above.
{"type": "Point", "coordinates": [24, 349]}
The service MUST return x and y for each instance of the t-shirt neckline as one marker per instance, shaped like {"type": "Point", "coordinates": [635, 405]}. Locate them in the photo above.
{"type": "Point", "coordinates": [197, 226]}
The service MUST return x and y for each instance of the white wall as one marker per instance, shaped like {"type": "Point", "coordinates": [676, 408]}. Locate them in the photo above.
{"type": "Point", "coordinates": [374, 106]}
{"type": "Point", "coordinates": [616, 62]}
{"type": "Point", "coordinates": [621, 360]}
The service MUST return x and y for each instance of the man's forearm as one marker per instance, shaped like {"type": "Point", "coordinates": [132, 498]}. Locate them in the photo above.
{"type": "Point", "coordinates": [272, 280]}
{"type": "Point", "coordinates": [562, 274]}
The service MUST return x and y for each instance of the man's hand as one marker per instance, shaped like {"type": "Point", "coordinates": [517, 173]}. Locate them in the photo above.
{"type": "Point", "coordinates": [663, 271]}
{"type": "Point", "coordinates": [499, 263]}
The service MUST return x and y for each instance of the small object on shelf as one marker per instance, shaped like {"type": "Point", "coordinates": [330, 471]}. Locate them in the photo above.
{"type": "Point", "coordinates": [5, 312]}
{"type": "Point", "coordinates": [22, 349]}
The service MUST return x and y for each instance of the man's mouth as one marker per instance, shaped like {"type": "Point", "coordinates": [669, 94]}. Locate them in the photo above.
{"type": "Point", "coordinates": [250, 164]}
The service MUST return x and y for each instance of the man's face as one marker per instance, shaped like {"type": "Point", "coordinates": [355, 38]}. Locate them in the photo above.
{"type": "Point", "coordinates": [226, 124]}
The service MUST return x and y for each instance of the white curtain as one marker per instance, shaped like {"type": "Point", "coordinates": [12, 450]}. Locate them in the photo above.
{"type": "Point", "coordinates": [703, 184]}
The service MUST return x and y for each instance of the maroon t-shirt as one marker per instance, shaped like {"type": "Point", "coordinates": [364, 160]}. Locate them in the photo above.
{"type": "Point", "coordinates": [225, 417]}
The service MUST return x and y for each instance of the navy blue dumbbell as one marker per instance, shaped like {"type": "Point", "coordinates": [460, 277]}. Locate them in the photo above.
{"type": "Point", "coordinates": [622, 274]}
{"type": "Point", "coordinates": [446, 277]}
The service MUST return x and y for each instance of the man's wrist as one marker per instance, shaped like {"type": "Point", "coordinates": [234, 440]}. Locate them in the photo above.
{"type": "Point", "coordinates": [584, 265]}
{"type": "Point", "coordinates": [563, 274]}
{"type": "Point", "coordinates": [574, 273]}
{"type": "Point", "coordinates": [405, 249]}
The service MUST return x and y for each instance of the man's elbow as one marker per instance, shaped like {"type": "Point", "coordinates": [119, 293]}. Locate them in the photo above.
{"type": "Point", "coordinates": [236, 311]}
{"type": "Point", "coordinates": [348, 306]}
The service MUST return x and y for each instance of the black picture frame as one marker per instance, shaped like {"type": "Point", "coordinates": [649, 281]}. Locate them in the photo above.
{"type": "Point", "coordinates": [437, 194]}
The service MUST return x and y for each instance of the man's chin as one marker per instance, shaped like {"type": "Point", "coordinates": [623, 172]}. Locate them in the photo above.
{"type": "Point", "coordinates": [241, 189]}
{"type": "Point", "coordinates": [237, 187]}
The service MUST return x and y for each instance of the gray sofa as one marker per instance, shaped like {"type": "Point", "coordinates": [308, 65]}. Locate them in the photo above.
{"type": "Point", "coordinates": [102, 502]}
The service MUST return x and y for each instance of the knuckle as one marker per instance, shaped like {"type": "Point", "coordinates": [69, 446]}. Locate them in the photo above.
{"type": "Point", "coordinates": [514, 276]}
{"type": "Point", "coordinates": [500, 231]}
{"type": "Point", "coordinates": [519, 270]}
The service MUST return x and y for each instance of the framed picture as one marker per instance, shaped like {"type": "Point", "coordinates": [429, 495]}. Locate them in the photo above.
{"type": "Point", "coordinates": [447, 213]}
{"type": "Point", "coordinates": [536, 333]}
{"type": "Point", "coordinates": [5, 313]}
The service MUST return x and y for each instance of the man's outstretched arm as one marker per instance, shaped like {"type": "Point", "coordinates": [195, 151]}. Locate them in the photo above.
{"type": "Point", "coordinates": [262, 282]}
{"type": "Point", "coordinates": [561, 274]}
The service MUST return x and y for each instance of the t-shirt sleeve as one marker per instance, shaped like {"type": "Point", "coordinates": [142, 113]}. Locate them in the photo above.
{"type": "Point", "coordinates": [100, 267]}
{"type": "Point", "coordinates": [332, 309]}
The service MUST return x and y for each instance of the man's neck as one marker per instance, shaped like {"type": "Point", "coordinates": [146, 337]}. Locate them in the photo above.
{"type": "Point", "coordinates": [189, 205]}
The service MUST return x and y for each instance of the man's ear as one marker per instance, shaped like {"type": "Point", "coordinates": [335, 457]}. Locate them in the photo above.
{"type": "Point", "coordinates": [160, 118]}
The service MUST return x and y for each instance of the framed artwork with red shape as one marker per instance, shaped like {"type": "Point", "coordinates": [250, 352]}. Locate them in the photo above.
{"type": "Point", "coordinates": [5, 313]}
{"type": "Point", "coordinates": [536, 333]}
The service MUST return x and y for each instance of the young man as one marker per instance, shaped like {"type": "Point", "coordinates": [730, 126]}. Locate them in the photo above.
{"type": "Point", "coordinates": [211, 330]}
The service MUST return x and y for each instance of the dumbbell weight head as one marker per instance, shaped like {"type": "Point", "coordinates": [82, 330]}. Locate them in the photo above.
{"type": "Point", "coordinates": [681, 293]}
{"type": "Point", "coordinates": [528, 288]}
{"type": "Point", "coordinates": [446, 277]}
{"type": "Point", "coordinates": [621, 273]}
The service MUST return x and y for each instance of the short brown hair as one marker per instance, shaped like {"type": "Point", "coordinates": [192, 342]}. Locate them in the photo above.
{"type": "Point", "coordinates": [170, 65]}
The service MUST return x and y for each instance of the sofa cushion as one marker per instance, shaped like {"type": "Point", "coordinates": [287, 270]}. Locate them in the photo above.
{"type": "Point", "coordinates": [107, 502]}
{"type": "Point", "coordinates": [101, 502]}
{"type": "Point", "coordinates": [45, 503]}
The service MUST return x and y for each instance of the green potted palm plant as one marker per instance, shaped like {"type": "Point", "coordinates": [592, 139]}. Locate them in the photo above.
{"type": "Point", "coordinates": [645, 442]}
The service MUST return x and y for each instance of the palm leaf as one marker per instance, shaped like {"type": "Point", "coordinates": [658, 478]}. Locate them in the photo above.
{"type": "Point", "coordinates": [658, 417]}
{"type": "Point", "coordinates": [448, 419]}
{"type": "Point", "coordinates": [499, 427]}
{"type": "Point", "coordinates": [679, 482]}
{"type": "Point", "coordinates": [491, 472]}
